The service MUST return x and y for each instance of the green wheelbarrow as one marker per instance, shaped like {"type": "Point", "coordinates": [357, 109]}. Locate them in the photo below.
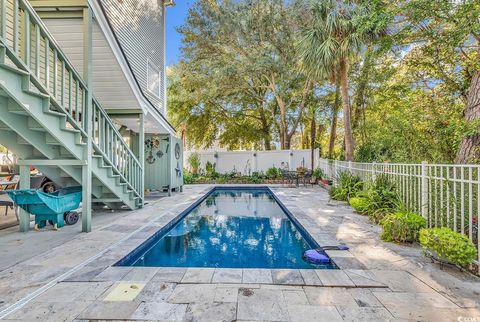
{"type": "Point", "coordinates": [57, 207]}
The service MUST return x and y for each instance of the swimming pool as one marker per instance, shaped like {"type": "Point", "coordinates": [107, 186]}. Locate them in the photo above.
{"type": "Point", "coordinates": [229, 228]}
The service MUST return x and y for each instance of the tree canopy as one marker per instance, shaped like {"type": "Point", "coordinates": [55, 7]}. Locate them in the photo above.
{"type": "Point", "coordinates": [365, 80]}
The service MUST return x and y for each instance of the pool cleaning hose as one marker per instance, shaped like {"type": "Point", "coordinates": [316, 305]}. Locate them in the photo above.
{"type": "Point", "coordinates": [338, 247]}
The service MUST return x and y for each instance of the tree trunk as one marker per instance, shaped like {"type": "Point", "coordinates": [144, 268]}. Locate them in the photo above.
{"type": "Point", "coordinates": [469, 151]}
{"type": "Point", "coordinates": [349, 145]}
{"type": "Point", "coordinates": [267, 143]}
{"type": "Point", "coordinates": [320, 129]}
{"type": "Point", "coordinates": [358, 104]}
{"type": "Point", "coordinates": [267, 138]}
{"type": "Point", "coordinates": [313, 132]}
{"type": "Point", "coordinates": [333, 128]}
{"type": "Point", "coordinates": [283, 125]}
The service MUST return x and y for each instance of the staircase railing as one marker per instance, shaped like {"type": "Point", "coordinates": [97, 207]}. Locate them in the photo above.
{"type": "Point", "coordinates": [31, 47]}
{"type": "Point", "coordinates": [109, 143]}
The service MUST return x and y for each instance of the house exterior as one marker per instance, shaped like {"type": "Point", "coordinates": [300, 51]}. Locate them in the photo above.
{"type": "Point", "coordinates": [83, 97]}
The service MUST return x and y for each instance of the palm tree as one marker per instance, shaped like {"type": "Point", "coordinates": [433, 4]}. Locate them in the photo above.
{"type": "Point", "coordinates": [336, 31]}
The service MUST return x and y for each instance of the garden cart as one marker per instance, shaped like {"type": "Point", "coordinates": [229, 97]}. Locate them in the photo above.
{"type": "Point", "coordinates": [56, 208]}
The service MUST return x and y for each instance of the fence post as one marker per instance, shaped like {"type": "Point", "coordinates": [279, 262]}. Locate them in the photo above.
{"type": "Point", "coordinates": [350, 166]}
{"type": "Point", "coordinates": [374, 171]}
{"type": "Point", "coordinates": [334, 175]}
{"type": "Point", "coordinates": [290, 160]}
{"type": "Point", "coordinates": [424, 190]}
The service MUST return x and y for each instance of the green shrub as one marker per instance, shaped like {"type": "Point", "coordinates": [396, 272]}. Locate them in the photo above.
{"type": "Point", "coordinates": [317, 173]}
{"type": "Point", "coordinates": [448, 245]}
{"type": "Point", "coordinates": [383, 198]}
{"type": "Point", "coordinates": [272, 173]}
{"type": "Point", "coordinates": [402, 227]}
{"type": "Point", "coordinates": [210, 170]}
{"type": "Point", "coordinates": [188, 177]}
{"type": "Point", "coordinates": [257, 177]}
{"type": "Point", "coordinates": [360, 204]}
{"type": "Point", "coordinates": [194, 162]}
{"type": "Point", "coordinates": [348, 186]}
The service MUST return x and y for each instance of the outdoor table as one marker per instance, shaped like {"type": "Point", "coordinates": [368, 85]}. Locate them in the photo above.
{"type": "Point", "coordinates": [4, 184]}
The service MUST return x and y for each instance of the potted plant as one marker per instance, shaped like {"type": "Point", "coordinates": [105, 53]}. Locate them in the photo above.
{"type": "Point", "coordinates": [301, 170]}
{"type": "Point", "coordinates": [194, 162]}
{"type": "Point", "coordinates": [317, 175]}
{"type": "Point", "coordinates": [325, 182]}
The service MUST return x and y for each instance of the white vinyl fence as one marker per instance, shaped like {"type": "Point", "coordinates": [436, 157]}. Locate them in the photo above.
{"type": "Point", "coordinates": [447, 195]}
{"type": "Point", "coordinates": [247, 162]}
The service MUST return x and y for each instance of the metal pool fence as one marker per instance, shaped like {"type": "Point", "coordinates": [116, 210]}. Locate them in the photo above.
{"type": "Point", "coordinates": [447, 195]}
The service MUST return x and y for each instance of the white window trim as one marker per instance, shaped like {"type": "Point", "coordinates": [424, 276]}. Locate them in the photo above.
{"type": "Point", "coordinates": [151, 64]}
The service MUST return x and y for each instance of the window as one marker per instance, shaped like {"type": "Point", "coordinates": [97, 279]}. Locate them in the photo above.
{"type": "Point", "coordinates": [153, 78]}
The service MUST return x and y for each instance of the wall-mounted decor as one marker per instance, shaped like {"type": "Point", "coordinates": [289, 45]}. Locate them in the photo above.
{"type": "Point", "coordinates": [151, 144]}
{"type": "Point", "coordinates": [177, 151]}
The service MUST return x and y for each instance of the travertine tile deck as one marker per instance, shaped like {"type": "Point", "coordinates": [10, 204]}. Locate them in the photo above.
{"type": "Point", "coordinates": [376, 281]}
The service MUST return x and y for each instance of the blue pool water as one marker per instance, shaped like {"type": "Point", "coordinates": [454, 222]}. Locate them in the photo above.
{"type": "Point", "coordinates": [241, 228]}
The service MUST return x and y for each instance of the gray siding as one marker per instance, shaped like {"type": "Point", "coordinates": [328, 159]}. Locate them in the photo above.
{"type": "Point", "coordinates": [110, 85]}
{"type": "Point", "coordinates": [139, 27]}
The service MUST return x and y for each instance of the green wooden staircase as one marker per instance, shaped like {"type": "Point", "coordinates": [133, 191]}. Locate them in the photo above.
{"type": "Point", "coordinates": [48, 113]}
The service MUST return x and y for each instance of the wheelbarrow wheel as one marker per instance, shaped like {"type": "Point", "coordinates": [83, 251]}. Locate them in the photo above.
{"type": "Point", "coordinates": [40, 225]}
{"type": "Point", "coordinates": [71, 217]}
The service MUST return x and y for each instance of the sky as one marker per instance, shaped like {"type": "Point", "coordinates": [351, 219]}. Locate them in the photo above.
{"type": "Point", "coordinates": [175, 17]}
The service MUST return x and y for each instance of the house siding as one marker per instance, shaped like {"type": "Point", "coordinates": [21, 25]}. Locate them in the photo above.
{"type": "Point", "coordinates": [139, 27]}
{"type": "Point", "coordinates": [110, 85]}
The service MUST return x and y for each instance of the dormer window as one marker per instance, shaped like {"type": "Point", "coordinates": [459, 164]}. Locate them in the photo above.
{"type": "Point", "coordinates": [153, 78]}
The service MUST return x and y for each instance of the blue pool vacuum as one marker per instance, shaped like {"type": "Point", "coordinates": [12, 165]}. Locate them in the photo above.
{"type": "Point", "coordinates": [319, 256]}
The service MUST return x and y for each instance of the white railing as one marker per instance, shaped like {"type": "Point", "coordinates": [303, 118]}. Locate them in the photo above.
{"type": "Point", "coordinates": [447, 195]}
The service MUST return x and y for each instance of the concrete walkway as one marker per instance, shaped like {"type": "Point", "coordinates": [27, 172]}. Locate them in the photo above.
{"type": "Point", "coordinates": [377, 281]}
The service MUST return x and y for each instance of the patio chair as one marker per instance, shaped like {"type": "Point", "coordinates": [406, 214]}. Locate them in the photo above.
{"type": "Point", "coordinates": [286, 178]}
{"type": "Point", "coordinates": [7, 202]}
{"type": "Point", "coordinates": [307, 178]}
{"type": "Point", "coordinates": [13, 180]}
{"type": "Point", "coordinates": [289, 177]}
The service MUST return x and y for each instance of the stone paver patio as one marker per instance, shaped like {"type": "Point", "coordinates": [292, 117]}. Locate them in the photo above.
{"type": "Point", "coordinates": [376, 281]}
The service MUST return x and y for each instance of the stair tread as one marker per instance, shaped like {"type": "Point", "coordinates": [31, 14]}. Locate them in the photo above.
{"type": "Point", "coordinates": [66, 129]}
{"type": "Point", "coordinates": [41, 95]}
{"type": "Point", "coordinates": [14, 69]}
{"type": "Point", "coordinates": [50, 112]}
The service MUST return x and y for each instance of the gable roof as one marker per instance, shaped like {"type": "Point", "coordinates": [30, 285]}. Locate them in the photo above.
{"type": "Point", "coordinates": [145, 103]}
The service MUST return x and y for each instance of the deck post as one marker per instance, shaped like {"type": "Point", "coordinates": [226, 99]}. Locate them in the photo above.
{"type": "Point", "coordinates": [23, 216]}
{"type": "Point", "coordinates": [141, 155]}
{"type": "Point", "coordinates": [170, 155]}
{"type": "Point", "coordinates": [3, 4]}
{"type": "Point", "coordinates": [87, 75]}
{"type": "Point", "coordinates": [424, 190]}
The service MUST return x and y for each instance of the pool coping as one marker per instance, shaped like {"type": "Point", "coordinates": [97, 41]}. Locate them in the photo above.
{"type": "Point", "coordinates": [150, 242]}
{"type": "Point", "coordinates": [349, 274]}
